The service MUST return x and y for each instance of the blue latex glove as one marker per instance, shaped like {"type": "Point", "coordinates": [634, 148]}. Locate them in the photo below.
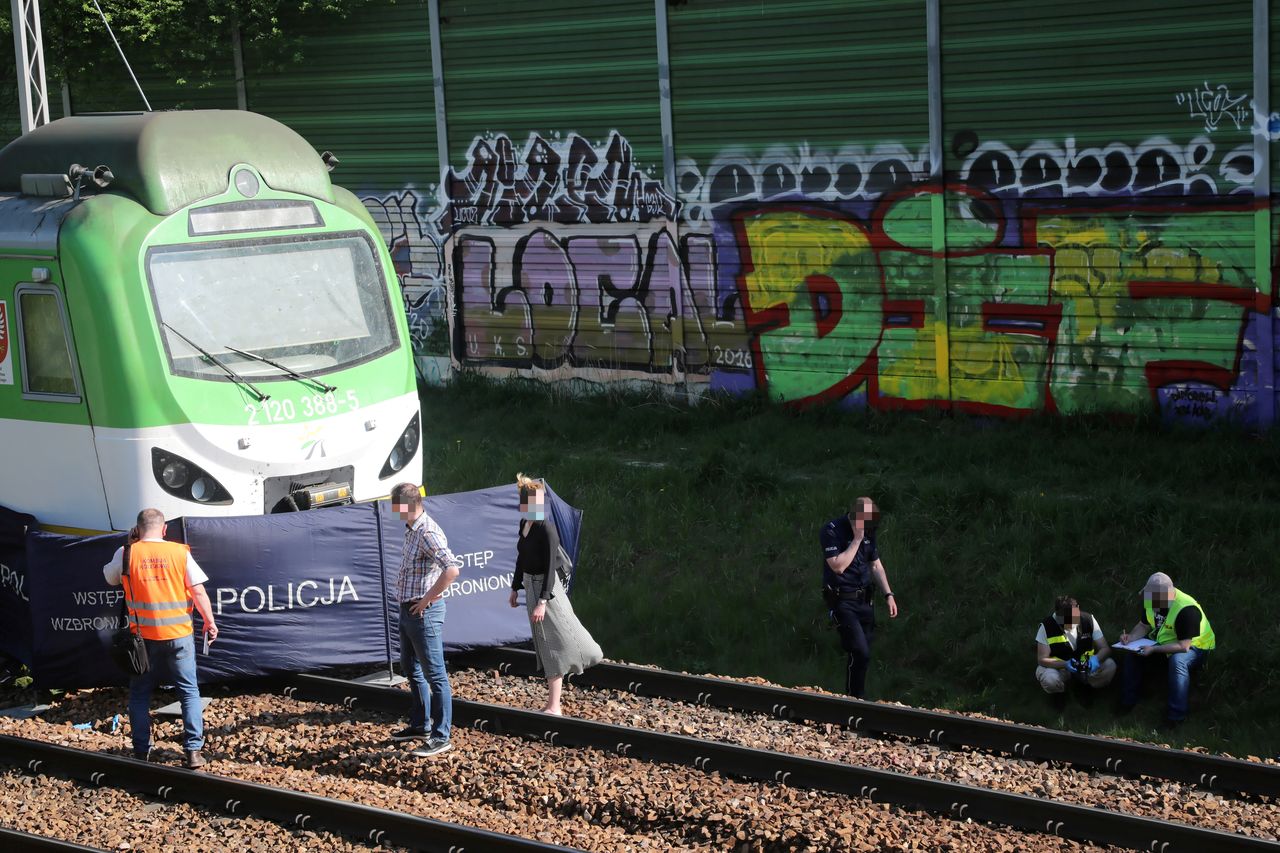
{"type": "Point", "coordinates": [1073, 667]}
{"type": "Point", "coordinates": [1094, 663]}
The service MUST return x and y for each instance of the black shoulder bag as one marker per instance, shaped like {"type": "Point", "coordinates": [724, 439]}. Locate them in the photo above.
{"type": "Point", "coordinates": [128, 648]}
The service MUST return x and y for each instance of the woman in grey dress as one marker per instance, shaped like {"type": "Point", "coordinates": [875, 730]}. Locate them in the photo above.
{"type": "Point", "coordinates": [562, 644]}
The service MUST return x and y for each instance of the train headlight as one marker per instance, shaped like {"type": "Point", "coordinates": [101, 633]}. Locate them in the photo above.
{"type": "Point", "coordinates": [203, 488]}
{"type": "Point", "coordinates": [247, 183]}
{"type": "Point", "coordinates": [174, 475]}
{"type": "Point", "coordinates": [409, 440]}
{"type": "Point", "coordinates": [186, 480]}
{"type": "Point", "coordinates": [406, 445]}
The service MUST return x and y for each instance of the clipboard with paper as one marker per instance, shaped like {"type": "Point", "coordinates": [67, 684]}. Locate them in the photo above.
{"type": "Point", "coordinates": [1134, 645]}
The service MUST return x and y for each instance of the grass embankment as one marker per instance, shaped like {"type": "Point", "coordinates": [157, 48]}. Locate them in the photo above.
{"type": "Point", "coordinates": [700, 540]}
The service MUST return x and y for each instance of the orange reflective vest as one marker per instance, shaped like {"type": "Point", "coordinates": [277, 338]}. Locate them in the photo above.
{"type": "Point", "coordinates": [156, 590]}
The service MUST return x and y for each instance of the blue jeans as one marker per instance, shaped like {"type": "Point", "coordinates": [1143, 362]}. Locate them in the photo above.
{"type": "Point", "coordinates": [171, 660]}
{"type": "Point", "coordinates": [1178, 670]}
{"type": "Point", "coordinates": [422, 646]}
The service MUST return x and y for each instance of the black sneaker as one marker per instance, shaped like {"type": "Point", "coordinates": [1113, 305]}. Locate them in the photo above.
{"type": "Point", "coordinates": [435, 746]}
{"type": "Point", "coordinates": [409, 733]}
{"type": "Point", "coordinates": [142, 756]}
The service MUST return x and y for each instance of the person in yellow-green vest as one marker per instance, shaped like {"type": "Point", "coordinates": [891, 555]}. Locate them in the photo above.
{"type": "Point", "coordinates": [1182, 638]}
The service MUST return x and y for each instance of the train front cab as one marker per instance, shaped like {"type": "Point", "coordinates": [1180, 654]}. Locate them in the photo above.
{"type": "Point", "coordinates": [274, 365]}
{"type": "Point", "coordinates": [244, 353]}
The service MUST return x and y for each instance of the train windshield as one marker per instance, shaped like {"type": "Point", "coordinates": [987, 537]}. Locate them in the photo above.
{"type": "Point", "coordinates": [310, 305]}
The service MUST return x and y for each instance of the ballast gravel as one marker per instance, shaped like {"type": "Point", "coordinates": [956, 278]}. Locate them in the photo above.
{"type": "Point", "coordinates": [582, 798]}
{"type": "Point", "coordinates": [1254, 816]}
{"type": "Point", "coordinates": [110, 819]}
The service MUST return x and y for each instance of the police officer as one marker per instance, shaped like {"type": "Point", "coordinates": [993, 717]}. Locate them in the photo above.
{"type": "Point", "coordinates": [849, 548]}
{"type": "Point", "coordinates": [1071, 647]}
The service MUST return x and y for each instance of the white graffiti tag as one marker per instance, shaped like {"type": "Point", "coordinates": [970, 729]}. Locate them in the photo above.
{"type": "Point", "coordinates": [1213, 104]}
{"type": "Point", "coordinates": [566, 180]}
{"type": "Point", "coordinates": [1044, 168]}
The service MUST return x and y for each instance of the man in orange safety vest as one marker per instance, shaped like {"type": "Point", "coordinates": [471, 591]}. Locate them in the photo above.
{"type": "Point", "coordinates": [162, 581]}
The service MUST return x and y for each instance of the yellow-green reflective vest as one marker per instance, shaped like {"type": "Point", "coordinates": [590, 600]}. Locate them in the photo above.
{"type": "Point", "coordinates": [1168, 632]}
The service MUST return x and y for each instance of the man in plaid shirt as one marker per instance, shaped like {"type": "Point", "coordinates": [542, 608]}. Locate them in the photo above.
{"type": "Point", "coordinates": [427, 567]}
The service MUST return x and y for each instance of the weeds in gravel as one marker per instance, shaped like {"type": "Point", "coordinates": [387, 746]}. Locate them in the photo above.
{"type": "Point", "coordinates": [700, 541]}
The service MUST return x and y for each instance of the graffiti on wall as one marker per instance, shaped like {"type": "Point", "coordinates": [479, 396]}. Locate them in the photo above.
{"type": "Point", "coordinates": [562, 182]}
{"type": "Point", "coordinates": [1069, 311]}
{"type": "Point", "coordinates": [567, 181]}
{"type": "Point", "coordinates": [601, 300]}
{"type": "Point", "coordinates": [1157, 167]}
{"type": "Point", "coordinates": [564, 256]}
{"type": "Point", "coordinates": [1069, 279]}
{"type": "Point", "coordinates": [1214, 104]}
{"type": "Point", "coordinates": [404, 221]}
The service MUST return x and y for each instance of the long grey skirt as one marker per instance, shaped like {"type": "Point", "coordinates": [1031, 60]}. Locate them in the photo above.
{"type": "Point", "coordinates": [562, 644]}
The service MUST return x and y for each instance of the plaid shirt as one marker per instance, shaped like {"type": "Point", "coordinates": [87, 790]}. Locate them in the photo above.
{"type": "Point", "coordinates": [426, 556]}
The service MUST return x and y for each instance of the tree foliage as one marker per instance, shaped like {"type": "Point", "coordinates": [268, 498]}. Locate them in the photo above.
{"type": "Point", "coordinates": [179, 40]}
{"type": "Point", "coordinates": [185, 46]}
{"type": "Point", "coordinates": [176, 40]}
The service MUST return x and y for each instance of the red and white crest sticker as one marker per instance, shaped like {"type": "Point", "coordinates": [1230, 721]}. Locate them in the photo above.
{"type": "Point", "coordinates": [6, 371]}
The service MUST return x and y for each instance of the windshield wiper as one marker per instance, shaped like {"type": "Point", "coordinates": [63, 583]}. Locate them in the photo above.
{"type": "Point", "coordinates": [292, 374]}
{"type": "Point", "coordinates": [235, 377]}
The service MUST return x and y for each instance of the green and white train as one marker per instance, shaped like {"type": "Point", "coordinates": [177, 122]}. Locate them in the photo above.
{"type": "Point", "coordinates": [193, 317]}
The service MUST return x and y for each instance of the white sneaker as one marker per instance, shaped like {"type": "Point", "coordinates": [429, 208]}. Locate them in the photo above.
{"type": "Point", "coordinates": [435, 746]}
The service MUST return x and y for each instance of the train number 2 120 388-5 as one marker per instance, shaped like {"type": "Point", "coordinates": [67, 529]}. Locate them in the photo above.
{"type": "Point", "coordinates": [310, 406]}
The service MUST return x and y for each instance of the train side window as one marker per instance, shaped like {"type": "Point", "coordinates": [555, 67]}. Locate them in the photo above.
{"type": "Point", "coordinates": [48, 368]}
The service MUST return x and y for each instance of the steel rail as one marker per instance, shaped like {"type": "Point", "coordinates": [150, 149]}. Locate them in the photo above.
{"type": "Point", "coordinates": [240, 798]}
{"type": "Point", "coordinates": [1020, 741]}
{"type": "Point", "coordinates": [948, 798]}
{"type": "Point", "coordinates": [12, 840]}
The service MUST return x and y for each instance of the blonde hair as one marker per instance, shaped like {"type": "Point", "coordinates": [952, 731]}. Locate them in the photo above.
{"type": "Point", "coordinates": [527, 485]}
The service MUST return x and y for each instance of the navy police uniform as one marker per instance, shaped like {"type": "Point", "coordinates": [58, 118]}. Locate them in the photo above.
{"type": "Point", "coordinates": [849, 596]}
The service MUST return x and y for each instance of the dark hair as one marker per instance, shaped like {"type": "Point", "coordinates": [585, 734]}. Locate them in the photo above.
{"type": "Point", "coordinates": [406, 494]}
{"type": "Point", "coordinates": [1062, 607]}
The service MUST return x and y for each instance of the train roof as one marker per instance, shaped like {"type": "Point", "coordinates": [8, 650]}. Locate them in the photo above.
{"type": "Point", "coordinates": [167, 160]}
{"type": "Point", "coordinates": [31, 224]}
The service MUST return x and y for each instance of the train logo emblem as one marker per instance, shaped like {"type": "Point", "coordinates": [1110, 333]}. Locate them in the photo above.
{"type": "Point", "coordinates": [6, 378]}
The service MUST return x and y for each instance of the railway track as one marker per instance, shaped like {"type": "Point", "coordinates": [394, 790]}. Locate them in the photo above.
{"type": "Point", "coordinates": [1020, 741]}
{"type": "Point", "coordinates": [948, 798]}
{"type": "Point", "coordinates": [14, 841]}
{"type": "Point", "coordinates": [239, 798]}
